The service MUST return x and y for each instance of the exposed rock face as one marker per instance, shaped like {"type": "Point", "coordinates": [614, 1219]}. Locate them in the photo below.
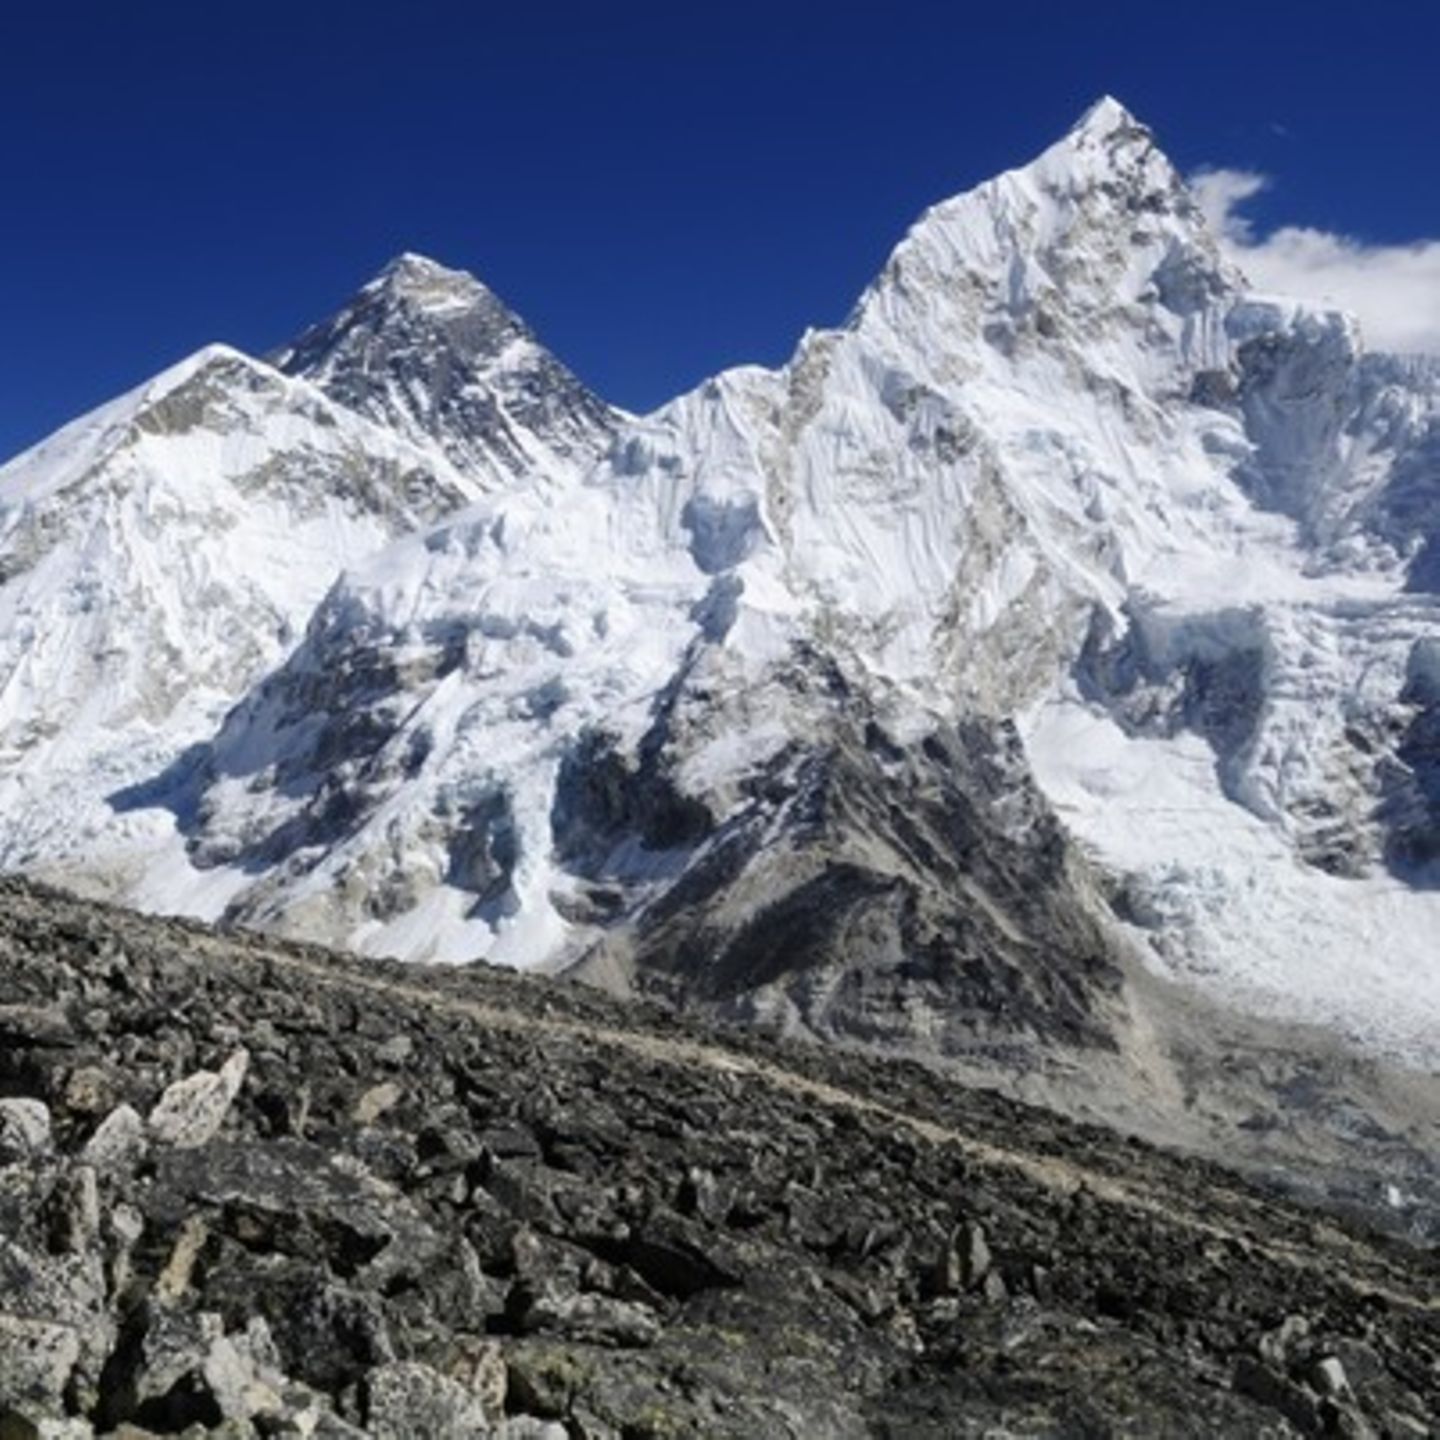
{"type": "Point", "coordinates": [436, 356]}
{"type": "Point", "coordinates": [571, 1217]}
{"type": "Point", "coordinates": [912, 894]}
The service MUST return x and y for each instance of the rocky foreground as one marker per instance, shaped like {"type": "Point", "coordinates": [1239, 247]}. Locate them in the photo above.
{"type": "Point", "coordinates": [253, 1189]}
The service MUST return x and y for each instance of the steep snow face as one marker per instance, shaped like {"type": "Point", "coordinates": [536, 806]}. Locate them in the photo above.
{"type": "Point", "coordinates": [1059, 468]}
{"type": "Point", "coordinates": [160, 555]}
{"type": "Point", "coordinates": [1390, 449]}
{"type": "Point", "coordinates": [393, 783]}
{"type": "Point", "coordinates": [435, 356]}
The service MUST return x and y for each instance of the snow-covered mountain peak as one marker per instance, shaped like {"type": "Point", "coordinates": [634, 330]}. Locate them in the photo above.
{"type": "Point", "coordinates": [1096, 241]}
{"type": "Point", "coordinates": [439, 357]}
{"type": "Point", "coordinates": [216, 354]}
{"type": "Point", "coordinates": [157, 556]}
{"type": "Point", "coordinates": [186, 395]}
{"type": "Point", "coordinates": [419, 284]}
{"type": "Point", "coordinates": [1103, 120]}
{"type": "Point", "coordinates": [1108, 136]}
{"type": "Point", "coordinates": [414, 274]}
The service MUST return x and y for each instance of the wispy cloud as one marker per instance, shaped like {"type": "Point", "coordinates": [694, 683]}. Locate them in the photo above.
{"type": "Point", "coordinates": [1393, 289]}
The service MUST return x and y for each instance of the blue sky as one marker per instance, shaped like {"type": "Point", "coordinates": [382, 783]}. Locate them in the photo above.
{"type": "Point", "coordinates": [660, 189]}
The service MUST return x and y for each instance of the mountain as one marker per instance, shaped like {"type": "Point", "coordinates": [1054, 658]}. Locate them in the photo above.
{"type": "Point", "coordinates": [1062, 502]}
{"type": "Point", "coordinates": [250, 1188]}
{"type": "Point", "coordinates": [1038, 674]}
{"type": "Point", "coordinates": [159, 556]}
{"type": "Point", "coordinates": [434, 355]}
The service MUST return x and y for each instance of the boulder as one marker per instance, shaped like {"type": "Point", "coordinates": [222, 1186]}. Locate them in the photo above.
{"type": "Point", "coordinates": [75, 1212]}
{"type": "Point", "coordinates": [376, 1101]}
{"type": "Point", "coordinates": [410, 1401]}
{"type": "Point", "coordinates": [119, 1142]}
{"type": "Point", "coordinates": [1327, 1375]}
{"type": "Point", "coordinates": [176, 1369]}
{"type": "Point", "coordinates": [24, 1130]}
{"type": "Point", "coordinates": [192, 1110]}
{"type": "Point", "coordinates": [36, 1362]}
{"type": "Point", "coordinates": [596, 1319]}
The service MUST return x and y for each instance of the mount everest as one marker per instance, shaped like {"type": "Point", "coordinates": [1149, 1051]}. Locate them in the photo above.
{"type": "Point", "coordinates": [1071, 608]}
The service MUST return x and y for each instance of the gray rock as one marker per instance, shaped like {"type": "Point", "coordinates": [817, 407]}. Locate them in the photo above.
{"type": "Point", "coordinates": [1277, 1345]}
{"type": "Point", "coordinates": [703, 1195]}
{"type": "Point", "coordinates": [593, 1318]}
{"type": "Point", "coordinates": [1328, 1376]}
{"type": "Point", "coordinates": [293, 1198]}
{"type": "Point", "coordinates": [479, 1366]}
{"type": "Point", "coordinates": [229, 1374]}
{"type": "Point", "coordinates": [376, 1101]}
{"type": "Point", "coordinates": [192, 1110]}
{"type": "Point", "coordinates": [160, 1369]}
{"type": "Point", "coordinates": [527, 1427]}
{"type": "Point", "coordinates": [90, 1090]}
{"type": "Point", "coordinates": [75, 1212]}
{"type": "Point", "coordinates": [36, 1362]}
{"type": "Point", "coordinates": [1276, 1392]}
{"type": "Point", "coordinates": [15, 1426]}
{"type": "Point", "coordinates": [123, 1227]}
{"type": "Point", "coordinates": [308, 1417]}
{"type": "Point", "coordinates": [174, 1279]}
{"type": "Point", "coordinates": [410, 1401]}
{"type": "Point", "coordinates": [67, 1290]}
{"type": "Point", "coordinates": [119, 1142]}
{"type": "Point", "coordinates": [964, 1263]}
{"type": "Point", "coordinates": [35, 1025]}
{"type": "Point", "coordinates": [396, 1050]}
{"type": "Point", "coordinates": [183, 1369]}
{"type": "Point", "coordinates": [975, 1259]}
{"type": "Point", "coordinates": [24, 1130]}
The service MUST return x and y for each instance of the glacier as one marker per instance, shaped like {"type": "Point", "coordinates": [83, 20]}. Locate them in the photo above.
{"type": "Point", "coordinates": [1123, 575]}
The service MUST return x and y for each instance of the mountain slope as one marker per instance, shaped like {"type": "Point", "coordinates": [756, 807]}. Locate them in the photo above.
{"type": "Point", "coordinates": [1038, 674]}
{"type": "Point", "coordinates": [157, 558]}
{"type": "Point", "coordinates": [401, 1201]}
{"type": "Point", "coordinates": [1060, 469]}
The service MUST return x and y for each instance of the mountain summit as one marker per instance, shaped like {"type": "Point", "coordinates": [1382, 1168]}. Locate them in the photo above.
{"type": "Point", "coordinates": [439, 358]}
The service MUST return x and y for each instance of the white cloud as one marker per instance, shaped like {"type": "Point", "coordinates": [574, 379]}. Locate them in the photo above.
{"type": "Point", "coordinates": [1393, 289]}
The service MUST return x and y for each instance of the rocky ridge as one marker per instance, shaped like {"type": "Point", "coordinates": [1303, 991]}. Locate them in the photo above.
{"type": "Point", "coordinates": [436, 356]}
{"type": "Point", "coordinates": [250, 1188]}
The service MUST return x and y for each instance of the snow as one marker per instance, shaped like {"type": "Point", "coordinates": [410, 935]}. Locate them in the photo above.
{"type": "Point", "coordinates": [1059, 464]}
{"type": "Point", "coordinates": [1224, 901]}
{"type": "Point", "coordinates": [157, 573]}
{"type": "Point", "coordinates": [167, 551]}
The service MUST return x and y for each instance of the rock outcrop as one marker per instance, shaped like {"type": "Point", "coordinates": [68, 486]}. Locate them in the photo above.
{"type": "Point", "coordinates": [437, 357]}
